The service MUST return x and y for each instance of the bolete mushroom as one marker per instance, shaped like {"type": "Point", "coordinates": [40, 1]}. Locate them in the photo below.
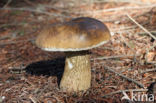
{"type": "Point", "coordinates": [75, 38]}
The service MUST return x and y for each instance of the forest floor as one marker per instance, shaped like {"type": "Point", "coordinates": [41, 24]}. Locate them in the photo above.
{"type": "Point", "coordinates": [125, 65]}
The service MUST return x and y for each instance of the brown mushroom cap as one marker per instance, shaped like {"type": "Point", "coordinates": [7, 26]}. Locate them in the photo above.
{"type": "Point", "coordinates": [78, 34]}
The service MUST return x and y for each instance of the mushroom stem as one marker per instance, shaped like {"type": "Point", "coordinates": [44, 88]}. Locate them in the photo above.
{"type": "Point", "coordinates": [77, 72]}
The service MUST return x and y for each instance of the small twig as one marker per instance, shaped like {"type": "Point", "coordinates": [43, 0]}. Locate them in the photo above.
{"type": "Point", "coordinates": [12, 24]}
{"type": "Point", "coordinates": [128, 90]}
{"type": "Point", "coordinates": [14, 42]}
{"type": "Point", "coordinates": [113, 57]}
{"type": "Point", "coordinates": [144, 33]}
{"type": "Point", "coordinates": [36, 11]}
{"type": "Point", "coordinates": [106, 48]}
{"type": "Point", "coordinates": [8, 2]}
{"type": "Point", "coordinates": [33, 99]}
{"type": "Point", "coordinates": [121, 1]}
{"type": "Point", "coordinates": [29, 2]}
{"type": "Point", "coordinates": [129, 79]}
{"type": "Point", "coordinates": [124, 28]}
{"type": "Point", "coordinates": [141, 27]}
{"type": "Point", "coordinates": [150, 34]}
{"type": "Point", "coordinates": [148, 70]}
{"type": "Point", "coordinates": [123, 31]}
{"type": "Point", "coordinates": [17, 70]}
{"type": "Point", "coordinates": [151, 62]}
{"type": "Point", "coordinates": [4, 37]}
{"type": "Point", "coordinates": [118, 9]}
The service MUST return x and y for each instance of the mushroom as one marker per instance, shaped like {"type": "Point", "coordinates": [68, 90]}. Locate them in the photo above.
{"type": "Point", "coordinates": [75, 38]}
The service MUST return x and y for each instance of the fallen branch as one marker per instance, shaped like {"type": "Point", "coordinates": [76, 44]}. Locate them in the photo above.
{"type": "Point", "coordinates": [123, 76]}
{"type": "Point", "coordinates": [128, 90]}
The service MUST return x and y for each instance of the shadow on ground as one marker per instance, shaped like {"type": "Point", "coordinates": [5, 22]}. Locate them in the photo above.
{"type": "Point", "coordinates": [47, 68]}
